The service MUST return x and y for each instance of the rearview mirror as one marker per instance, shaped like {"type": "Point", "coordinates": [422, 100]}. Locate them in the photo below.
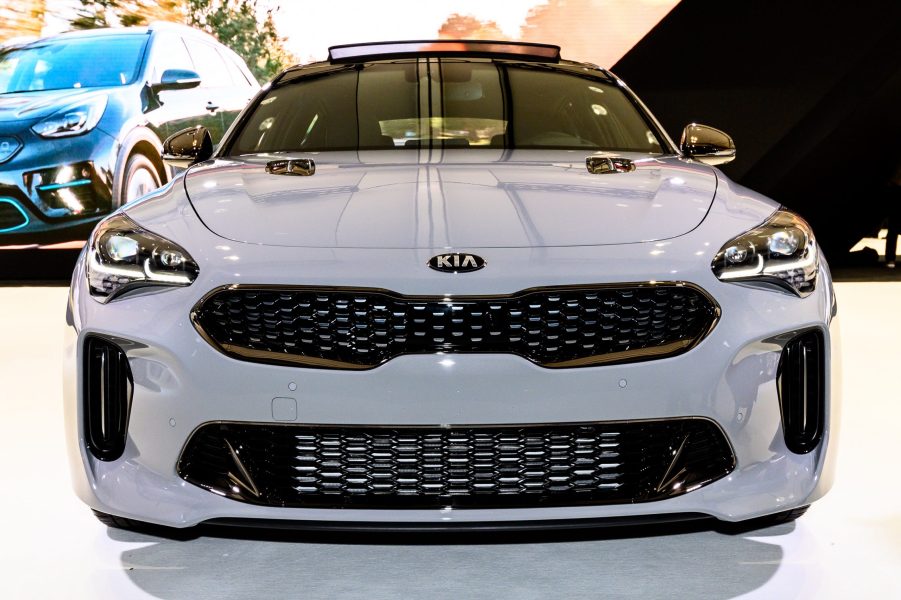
{"type": "Point", "coordinates": [707, 144]}
{"type": "Point", "coordinates": [177, 79]}
{"type": "Point", "coordinates": [188, 147]}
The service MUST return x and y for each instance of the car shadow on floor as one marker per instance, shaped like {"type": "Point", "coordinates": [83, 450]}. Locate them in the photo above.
{"type": "Point", "coordinates": [691, 560]}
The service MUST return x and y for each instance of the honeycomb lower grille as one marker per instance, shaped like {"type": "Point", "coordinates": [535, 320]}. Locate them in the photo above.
{"type": "Point", "coordinates": [499, 466]}
{"type": "Point", "coordinates": [363, 328]}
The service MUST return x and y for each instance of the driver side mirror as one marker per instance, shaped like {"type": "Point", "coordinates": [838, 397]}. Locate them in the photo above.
{"type": "Point", "coordinates": [177, 79]}
{"type": "Point", "coordinates": [188, 147]}
{"type": "Point", "coordinates": [707, 144]}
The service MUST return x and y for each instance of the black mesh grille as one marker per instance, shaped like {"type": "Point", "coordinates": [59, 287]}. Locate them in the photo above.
{"type": "Point", "coordinates": [317, 466]}
{"type": "Point", "coordinates": [563, 327]}
{"type": "Point", "coordinates": [107, 390]}
{"type": "Point", "coordinates": [10, 215]}
{"type": "Point", "coordinates": [801, 384]}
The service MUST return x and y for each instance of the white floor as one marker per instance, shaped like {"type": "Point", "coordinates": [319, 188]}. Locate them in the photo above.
{"type": "Point", "coordinates": [847, 546]}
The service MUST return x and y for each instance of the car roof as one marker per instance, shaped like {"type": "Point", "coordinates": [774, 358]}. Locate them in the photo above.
{"type": "Point", "coordinates": [472, 48]}
{"type": "Point", "coordinates": [119, 31]}
{"type": "Point", "coordinates": [349, 54]}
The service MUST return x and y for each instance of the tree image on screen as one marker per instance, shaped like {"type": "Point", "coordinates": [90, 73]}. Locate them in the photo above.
{"type": "Point", "coordinates": [233, 23]}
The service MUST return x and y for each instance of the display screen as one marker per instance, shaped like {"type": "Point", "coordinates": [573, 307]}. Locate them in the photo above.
{"type": "Point", "coordinates": [76, 63]}
{"type": "Point", "coordinates": [69, 103]}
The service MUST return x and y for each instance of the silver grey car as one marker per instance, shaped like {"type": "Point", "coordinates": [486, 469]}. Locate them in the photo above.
{"type": "Point", "coordinates": [427, 285]}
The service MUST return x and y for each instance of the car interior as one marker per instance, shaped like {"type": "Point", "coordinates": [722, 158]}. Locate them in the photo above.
{"type": "Point", "coordinates": [481, 104]}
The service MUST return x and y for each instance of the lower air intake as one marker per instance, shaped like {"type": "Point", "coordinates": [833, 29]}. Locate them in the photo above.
{"type": "Point", "coordinates": [801, 384]}
{"type": "Point", "coordinates": [473, 467]}
{"type": "Point", "coordinates": [11, 216]}
{"type": "Point", "coordinates": [107, 398]}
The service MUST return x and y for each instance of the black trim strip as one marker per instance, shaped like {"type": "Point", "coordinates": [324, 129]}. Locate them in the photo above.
{"type": "Point", "coordinates": [461, 526]}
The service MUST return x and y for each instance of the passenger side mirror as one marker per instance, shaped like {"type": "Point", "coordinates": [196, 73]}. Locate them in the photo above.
{"type": "Point", "coordinates": [707, 144]}
{"type": "Point", "coordinates": [188, 147]}
{"type": "Point", "coordinates": [177, 79]}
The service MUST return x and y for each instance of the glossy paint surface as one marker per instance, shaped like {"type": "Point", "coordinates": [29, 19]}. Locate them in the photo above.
{"type": "Point", "coordinates": [182, 382]}
{"type": "Point", "coordinates": [836, 551]}
{"type": "Point", "coordinates": [465, 199]}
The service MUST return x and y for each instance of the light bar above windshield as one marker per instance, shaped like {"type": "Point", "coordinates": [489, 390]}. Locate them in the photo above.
{"type": "Point", "coordinates": [475, 48]}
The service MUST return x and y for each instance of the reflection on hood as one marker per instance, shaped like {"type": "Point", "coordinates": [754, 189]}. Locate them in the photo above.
{"type": "Point", "coordinates": [21, 106]}
{"type": "Point", "coordinates": [391, 200]}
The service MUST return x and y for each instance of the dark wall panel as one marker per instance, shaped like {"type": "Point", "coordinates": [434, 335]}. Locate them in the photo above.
{"type": "Point", "coordinates": [811, 93]}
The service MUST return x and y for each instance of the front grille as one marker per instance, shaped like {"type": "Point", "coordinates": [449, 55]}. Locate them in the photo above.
{"type": "Point", "coordinates": [421, 467]}
{"type": "Point", "coordinates": [12, 216]}
{"type": "Point", "coordinates": [362, 328]}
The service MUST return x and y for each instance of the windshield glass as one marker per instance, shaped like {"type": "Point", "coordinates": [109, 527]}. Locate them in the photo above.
{"type": "Point", "coordinates": [88, 62]}
{"type": "Point", "coordinates": [446, 103]}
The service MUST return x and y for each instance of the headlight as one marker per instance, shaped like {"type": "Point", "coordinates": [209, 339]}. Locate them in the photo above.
{"type": "Point", "coordinates": [74, 119]}
{"type": "Point", "coordinates": [124, 256]}
{"type": "Point", "coordinates": [782, 252]}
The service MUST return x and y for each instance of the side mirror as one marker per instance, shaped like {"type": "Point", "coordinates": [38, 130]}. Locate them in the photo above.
{"type": "Point", "coordinates": [177, 79]}
{"type": "Point", "coordinates": [187, 147]}
{"type": "Point", "coordinates": [706, 144]}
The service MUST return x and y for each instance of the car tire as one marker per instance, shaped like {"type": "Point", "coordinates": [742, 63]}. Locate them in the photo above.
{"type": "Point", "coordinates": [140, 177]}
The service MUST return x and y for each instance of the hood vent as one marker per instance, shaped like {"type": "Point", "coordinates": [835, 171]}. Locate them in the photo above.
{"type": "Point", "coordinates": [298, 166]}
{"type": "Point", "coordinates": [600, 165]}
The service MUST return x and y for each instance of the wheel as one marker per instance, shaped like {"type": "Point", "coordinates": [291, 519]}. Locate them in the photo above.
{"type": "Point", "coordinates": [140, 177]}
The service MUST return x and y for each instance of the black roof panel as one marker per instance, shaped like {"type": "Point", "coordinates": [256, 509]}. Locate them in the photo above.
{"type": "Point", "coordinates": [350, 53]}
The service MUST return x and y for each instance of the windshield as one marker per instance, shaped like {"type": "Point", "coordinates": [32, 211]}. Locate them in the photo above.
{"type": "Point", "coordinates": [88, 62]}
{"type": "Point", "coordinates": [446, 103]}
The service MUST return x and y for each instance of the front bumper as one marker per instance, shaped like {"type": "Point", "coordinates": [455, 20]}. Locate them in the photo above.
{"type": "Point", "coordinates": [55, 190]}
{"type": "Point", "coordinates": [181, 382]}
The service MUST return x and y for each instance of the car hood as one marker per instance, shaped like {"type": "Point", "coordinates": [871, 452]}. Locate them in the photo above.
{"type": "Point", "coordinates": [20, 106]}
{"type": "Point", "coordinates": [394, 199]}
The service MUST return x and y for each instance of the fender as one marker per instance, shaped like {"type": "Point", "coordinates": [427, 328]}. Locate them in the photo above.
{"type": "Point", "coordinates": [138, 135]}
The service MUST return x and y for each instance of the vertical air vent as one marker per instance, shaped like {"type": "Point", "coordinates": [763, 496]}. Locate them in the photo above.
{"type": "Point", "coordinates": [801, 384]}
{"type": "Point", "coordinates": [107, 398]}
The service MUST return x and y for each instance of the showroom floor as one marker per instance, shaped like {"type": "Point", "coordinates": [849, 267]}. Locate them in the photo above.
{"type": "Point", "coordinates": [849, 544]}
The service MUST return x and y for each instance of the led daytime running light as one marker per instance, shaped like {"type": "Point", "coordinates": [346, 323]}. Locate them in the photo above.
{"type": "Point", "coordinates": [112, 273]}
{"type": "Point", "coordinates": [781, 252]}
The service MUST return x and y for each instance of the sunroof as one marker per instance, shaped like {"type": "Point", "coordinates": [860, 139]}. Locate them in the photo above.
{"type": "Point", "coordinates": [377, 50]}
